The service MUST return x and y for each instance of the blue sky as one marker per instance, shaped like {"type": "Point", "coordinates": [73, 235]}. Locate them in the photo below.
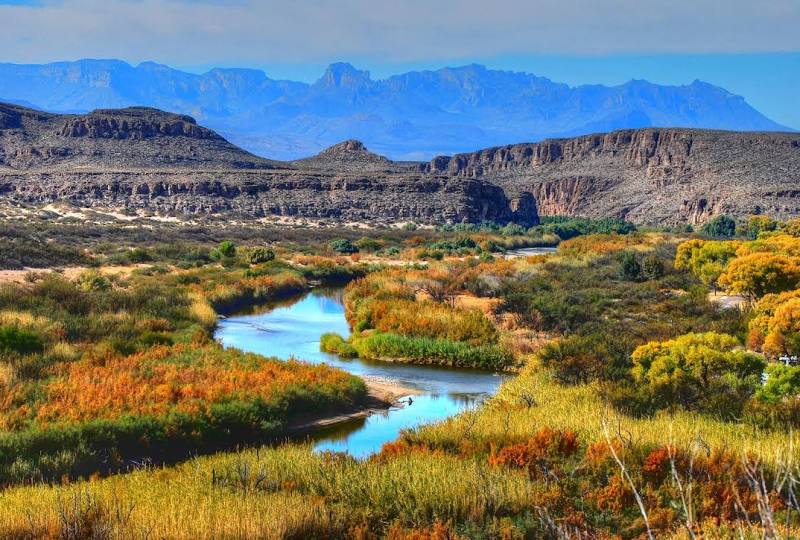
{"type": "Point", "coordinates": [750, 48]}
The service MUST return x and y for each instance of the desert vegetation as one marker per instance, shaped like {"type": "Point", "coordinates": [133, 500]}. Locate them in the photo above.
{"type": "Point", "coordinates": [638, 405]}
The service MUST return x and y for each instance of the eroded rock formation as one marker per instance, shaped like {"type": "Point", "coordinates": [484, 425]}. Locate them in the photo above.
{"type": "Point", "coordinates": [146, 159]}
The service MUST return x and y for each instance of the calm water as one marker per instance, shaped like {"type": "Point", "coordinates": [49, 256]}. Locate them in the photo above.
{"type": "Point", "coordinates": [292, 329]}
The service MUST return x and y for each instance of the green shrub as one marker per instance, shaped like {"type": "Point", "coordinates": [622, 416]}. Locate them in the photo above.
{"type": "Point", "coordinates": [652, 267]}
{"type": "Point", "coordinates": [333, 343]}
{"type": "Point", "coordinates": [18, 340]}
{"type": "Point", "coordinates": [379, 346]}
{"type": "Point", "coordinates": [580, 359]}
{"type": "Point", "coordinates": [139, 255]}
{"type": "Point", "coordinates": [343, 246]}
{"type": "Point", "coordinates": [260, 255]}
{"type": "Point", "coordinates": [720, 226]}
{"type": "Point", "coordinates": [629, 267]}
{"type": "Point", "coordinates": [227, 248]}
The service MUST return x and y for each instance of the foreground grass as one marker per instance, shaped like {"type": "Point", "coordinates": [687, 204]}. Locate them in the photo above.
{"type": "Point", "coordinates": [532, 400]}
{"type": "Point", "coordinates": [289, 492]}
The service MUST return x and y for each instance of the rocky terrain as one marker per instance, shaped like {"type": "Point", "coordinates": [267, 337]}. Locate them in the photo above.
{"type": "Point", "coordinates": [652, 175]}
{"type": "Point", "coordinates": [145, 159]}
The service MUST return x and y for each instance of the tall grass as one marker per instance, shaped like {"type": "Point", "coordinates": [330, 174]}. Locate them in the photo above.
{"type": "Point", "coordinates": [532, 401]}
{"type": "Point", "coordinates": [418, 350]}
{"type": "Point", "coordinates": [289, 492]}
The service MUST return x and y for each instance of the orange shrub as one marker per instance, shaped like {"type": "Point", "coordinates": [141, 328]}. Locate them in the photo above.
{"type": "Point", "coordinates": [179, 378]}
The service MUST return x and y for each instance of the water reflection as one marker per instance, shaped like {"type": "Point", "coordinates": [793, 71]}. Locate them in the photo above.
{"type": "Point", "coordinates": [291, 329]}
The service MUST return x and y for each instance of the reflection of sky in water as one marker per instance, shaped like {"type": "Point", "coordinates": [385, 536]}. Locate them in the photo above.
{"type": "Point", "coordinates": [293, 330]}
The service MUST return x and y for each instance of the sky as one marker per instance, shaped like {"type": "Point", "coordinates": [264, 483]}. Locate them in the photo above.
{"type": "Point", "coordinates": [750, 48]}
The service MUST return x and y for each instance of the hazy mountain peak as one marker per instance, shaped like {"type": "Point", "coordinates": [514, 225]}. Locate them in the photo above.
{"type": "Point", "coordinates": [414, 115]}
{"type": "Point", "coordinates": [344, 75]}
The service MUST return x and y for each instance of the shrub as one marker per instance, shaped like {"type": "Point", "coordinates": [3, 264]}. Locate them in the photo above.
{"type": "Point", "coordinates": [17, 340]}
{"type": "Point", "coordinates": [512, 229]}
{"type": "Point", "coordinates": [227, 248]}
{"type": "Point", "coordinates": [584, 358]}
{"type": "Point", "coordinates": [720, 226]}
{"type": "Point", "coordinates": [698, 371]}
{"type": "Point", "coordinates": [92, 280]}
{"type": "Point", "coordinates": [260, 255]}
{"type": "Point", "coordinates": [629, 267]}
{"type": "Point", "coordinates": [432, 351]}
{"type": "Point", "coordinates": [139, 255]}
{"type": "Point", "coordinates": [652, 267]}
{"type": "Point", "coordinates": [343, 246]}
{"type": "Point", "coordinates": [335, 344]}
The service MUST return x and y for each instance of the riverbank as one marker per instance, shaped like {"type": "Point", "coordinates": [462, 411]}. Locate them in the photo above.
{"type": "Point", "coordinates": [382, 395]}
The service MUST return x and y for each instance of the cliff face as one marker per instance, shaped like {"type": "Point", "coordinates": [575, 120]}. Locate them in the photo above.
{"type": "Point", "coordinates": [657, 176]}
{"type": "Point", "coordinates": [145, 158]}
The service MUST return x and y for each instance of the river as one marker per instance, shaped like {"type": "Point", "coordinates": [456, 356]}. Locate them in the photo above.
{"type": "Point", "coordinates": [293, 328]}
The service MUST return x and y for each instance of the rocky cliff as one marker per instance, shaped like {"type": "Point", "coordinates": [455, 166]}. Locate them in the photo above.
{"type": "Point", "coordinates": [143, 158]}
{"type": "Point", "coordinates": [656, 176]}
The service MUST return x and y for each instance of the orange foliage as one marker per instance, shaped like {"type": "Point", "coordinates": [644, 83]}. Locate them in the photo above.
{"type": "Point", "coordinates": [545, 446]}
{"type": "Point", "coordinates": [180, 378]}
{"type": "Point", "coordinates": [599, 244]}
{"type": "Point", "coordinates": [776, 324]}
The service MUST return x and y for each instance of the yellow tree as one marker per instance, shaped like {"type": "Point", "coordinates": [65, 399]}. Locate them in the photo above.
{"type": "Point", "coordinates": [760, 273]}
{"type": "Point", "coordinates": [775, 326]}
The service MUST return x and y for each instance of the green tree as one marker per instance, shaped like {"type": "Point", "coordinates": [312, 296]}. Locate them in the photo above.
{"type": "Point", "coordinates": [227, 248]}
{"type": "Point", "coordinates": [720, 226]}
{"type": "Point", "coordinates": [344, 246]}
{"type": "Point", "coordinates": [707, 371]}
{"type": "Point", "coordinates": [783, 382]}
{"type": "Point", "coordinates": [756, 225]}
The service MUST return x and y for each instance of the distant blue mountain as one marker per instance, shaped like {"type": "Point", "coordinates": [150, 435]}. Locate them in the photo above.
{"type": "Point", "coordinates": [411, 116]}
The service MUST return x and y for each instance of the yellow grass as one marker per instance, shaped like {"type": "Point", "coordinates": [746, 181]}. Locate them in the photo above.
{"type": "Point", "coordinates": [271, 493]}
{"type": "Point", "coordinates": [579, 408]}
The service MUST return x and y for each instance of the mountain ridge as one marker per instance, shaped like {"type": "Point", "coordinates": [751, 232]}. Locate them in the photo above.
{"type": "Point", "coordinates": [146, 159]}
{"type": "Point", "coordinates": [414, 115]}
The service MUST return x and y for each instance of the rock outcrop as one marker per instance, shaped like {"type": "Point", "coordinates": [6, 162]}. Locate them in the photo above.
{"type": "Point", "coordinates": [146, 159]}
{"type": "Point", "coordinates": [652, 175]}
{"type": "Point", "coordinates": [143, 158]}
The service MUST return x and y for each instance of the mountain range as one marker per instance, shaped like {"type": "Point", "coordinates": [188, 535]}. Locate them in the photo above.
{"type": "Point", "coordinates": [412, 116]}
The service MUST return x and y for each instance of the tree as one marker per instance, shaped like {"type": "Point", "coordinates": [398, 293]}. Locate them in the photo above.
{"type": "Point", "coordinates": [760, 273]}
{"type": "Point", "coordinates": [783, 382]}
{"type": "Point", "coordinates": [775, 326]}
{"type": "Point", "coordinates": [630, 268]}
{"type": "Point", "coordinates": [755, 225]}
{"type": "Point", "coordinates": [260, 255]}
{"type": "Point", "coordinates": [652, 267]}
{"type": "Point", "coordinates": [720, 226]}
{"type": "Point", "coordinates": [706, 259]}
{"type": "Point", "coordinates": [227, 248]}
{"type": "Point", "coordinates": [707, 371]}
{"type": "Point", "coordinates": [512, 229]}
{"type": "Point", "coordinates": [343, 246]}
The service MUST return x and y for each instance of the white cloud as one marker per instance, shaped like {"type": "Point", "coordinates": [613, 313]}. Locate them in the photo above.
{"type": "Point", "coordinates": [249, 31]}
